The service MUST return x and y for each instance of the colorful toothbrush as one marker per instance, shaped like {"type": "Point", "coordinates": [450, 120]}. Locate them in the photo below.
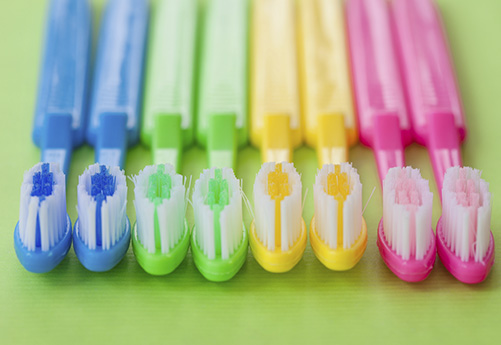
{"type": "Point", "coordinates": [275, 115]}
{"type": "Point", "coordinates": [278, 232]}
{"type": "Point", "coordinates": [383, 120]}
{"type": "Point", "coordinates": [222, 103]}
{"type": "Point", "coordinates": [161, 236]}
{"type": "Point", "coordinates": [168, 101]}
{"type": "Point", "coordinates": [326, 91]}
{"type": "Point", "coordinates": [102, 230]}
{"type": "Point", "coordinates": [60, 114]}
{"type": "Point", "coordinates": [405, 236]}
{"type": "Point", "coordinates": [42, 236]}
{"type": "Point", "coordinates": [464, 239]}
{"type": "Point", "coordinates": [116, 95]}
{"type": "Point", "coordinates": [432, 92]}
{"type": "Point", "coordinates": [219, 242]}
{"type": "Point", "coordinates": [338, 232]}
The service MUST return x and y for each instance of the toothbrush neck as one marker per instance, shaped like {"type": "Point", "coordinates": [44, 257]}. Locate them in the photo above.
{"type": "Point", "coordinates": [443, 145]}
{"type": "Point", "coordinates": [112, 139]}
{"type": "Point", "coordinates": [57, 142]}
{"type": "Point", "coordinates": [387, 143]}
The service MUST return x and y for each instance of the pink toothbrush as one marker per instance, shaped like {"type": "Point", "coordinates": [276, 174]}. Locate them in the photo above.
{"type": "Point", "coordinates": [383, 120]}
{"type": "Point", "coordinates": [430, 84]}
{"type": "Point", "coordinates": [405, 238]}
{"type": "Point", "coordinates": [465, 243]}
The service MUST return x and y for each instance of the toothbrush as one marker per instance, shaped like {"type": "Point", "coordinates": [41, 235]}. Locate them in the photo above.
{"type": "Point", "coordinates": [60, 114]}
{"type": "Point", "coordinates": [464, 239]}
{"type": "Point", "coordinates": [383, 120]}
{"type": "Point", "coordinates": [102, 230]}
{"type": "Point", "coordinates": [42, 236]}
{"type": "Point", "coordinates": [161, 236]}
{"type": "Point", "coordinates": [432, 92]}
{"type": "Point", "coordinates": [219, 242]}
{"type": "Point", "coordinates": [278, 232]}
{"type": "Point", "coordinates": [222, 103]}
{"type": "Point", "coordinates": [326, 91]}
{"type": "Point", "coordinates": [405, 236]}
{"type": "Point", "coordinates": [116, 96]}
{"type": "Point", "coordinates": [338, 232]}
{"type": "Point", "coordinates": [275, 114]}
{"type": "Point", "coordinates": [167, 124]}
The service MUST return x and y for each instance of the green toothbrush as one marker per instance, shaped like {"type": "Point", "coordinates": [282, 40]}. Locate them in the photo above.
{"type": "Point", "coordinates": [169, 102]}
{"type": "Point", "coordinates": [160, 237]}
{"type": "Point", "coordinates": [219, 241]}
{"type": "Point", "coordinates": [222, 99]}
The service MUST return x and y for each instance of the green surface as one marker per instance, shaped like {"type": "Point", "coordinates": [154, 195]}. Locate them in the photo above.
{"type": "Point", "coordinates": [307, 305]}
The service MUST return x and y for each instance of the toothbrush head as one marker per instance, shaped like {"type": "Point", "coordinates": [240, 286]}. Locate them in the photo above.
{"type": "Point", "coordinates": [338, 232]}
{"type": "Point", "coordinates": [219, 242]}
{"type": "Point", "coordinates": [102, 231]}
{"type": "Point", "coordinates": [42, 236]}
{"type": "Point", "coordinates": [160, 237]}
{"type": "Point", "coordinates": [405, 237]}
{"type": "Point", "coordinates": [278, 232]}
{"type": "Point", "coordinates": [464, 239]}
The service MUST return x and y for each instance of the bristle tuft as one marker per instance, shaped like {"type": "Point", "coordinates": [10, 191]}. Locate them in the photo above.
{"type": "Point", "coordinates": [217, 203]}
{"type": "Point", "coordinates": [277, 204]}
{"type": "Point", "coordinates": [160, 202]}
{"type": "Point", "coordinates": [466, 215]}
{"type": "Point", "coordinates": [338, 205]}
{"type": "Point", "coordinates": [42, 213]}
{"type": "Point", "coordinates": [102, 201]}
{"type": "Point", "coordinates": [407, 212]}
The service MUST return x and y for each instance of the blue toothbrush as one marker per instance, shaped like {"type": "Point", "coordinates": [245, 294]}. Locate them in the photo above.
{"type": "Point", "coordinates": [60, 114]}
{"type": "Point", "coordinates": [117, 88]}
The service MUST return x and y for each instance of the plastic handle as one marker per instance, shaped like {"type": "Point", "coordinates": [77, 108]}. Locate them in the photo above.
{"type": "Point", "coordinates": [429, 74]}
{"type": "Point", "coordinates": [119, 70]}
{"type": "Point", "coordinates": [326, 90]}
{"type": "Point", "coordinates": [223, 81]}
{"type": "Point", "coordinates": [437, 114]}
{"type": "Point", "coordinates": [376, 78]}
{"type": "Point", "coordinates": [62, 90]}
{"type": "Point", "coordinates": [169, 100]}
{"type": "Point", "coordinates": [275, 122]}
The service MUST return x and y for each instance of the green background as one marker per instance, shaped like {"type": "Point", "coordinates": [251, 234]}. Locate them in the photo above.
{"type": "Point", "coordinates": [308, 304]}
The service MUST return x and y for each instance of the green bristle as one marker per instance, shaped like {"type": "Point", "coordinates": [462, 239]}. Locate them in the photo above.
{"type": "Point", "coordinates": [159, 186]}
{"type": "Point", "coordinates": [217, 199]}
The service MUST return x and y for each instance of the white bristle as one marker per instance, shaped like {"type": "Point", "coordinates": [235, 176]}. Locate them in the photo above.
{"type": "Point", "coordinates": [290, 208]}
{"type": "Point", "coordinates": [46, 212]}
{"type": "Point", "coordinates": [326, 207]}
{"type": "Point", "coordinates": [230, 218]}
{"type": "Point", "coordinates": [170, 212]}
{"type": "Point", "coordinates": [113, 209]}
{"type": "Point", "coordinates": [407, 212]}
{"type": "Point", "coordinates": [466, 214]}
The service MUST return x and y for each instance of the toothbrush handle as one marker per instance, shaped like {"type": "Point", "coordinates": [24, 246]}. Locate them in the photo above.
{"type": "Point", "coordinates": [387, 143]}
{"type": "Point", "coordinates": [443, 145]}
{"type": "Point", "coordinates": [119, 71]}
{"type": "Point", "coordinates": [62, 91]}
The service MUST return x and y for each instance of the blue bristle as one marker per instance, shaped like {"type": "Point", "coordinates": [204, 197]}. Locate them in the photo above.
{"type": "Point", "coordinates": [43, 182]}
{"type": "Point", "coordinates": [102, 185]}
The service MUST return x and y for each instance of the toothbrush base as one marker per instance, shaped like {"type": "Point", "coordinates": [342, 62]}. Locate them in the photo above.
{"type": "Point", "coordinates": [99, 260]}
{"type": "Point", "coordinates": [278, 261]}
{"type": "Point", "coordinates": [39, 261]}
{"type": "Point", "coordinates": [158, 263]}
{"type": "Point", "coordinates": [411, 270]}
{"type": "Point", "coordinates": [338, 259]}
{"type": "Point", "coordinates": [469, 272]}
